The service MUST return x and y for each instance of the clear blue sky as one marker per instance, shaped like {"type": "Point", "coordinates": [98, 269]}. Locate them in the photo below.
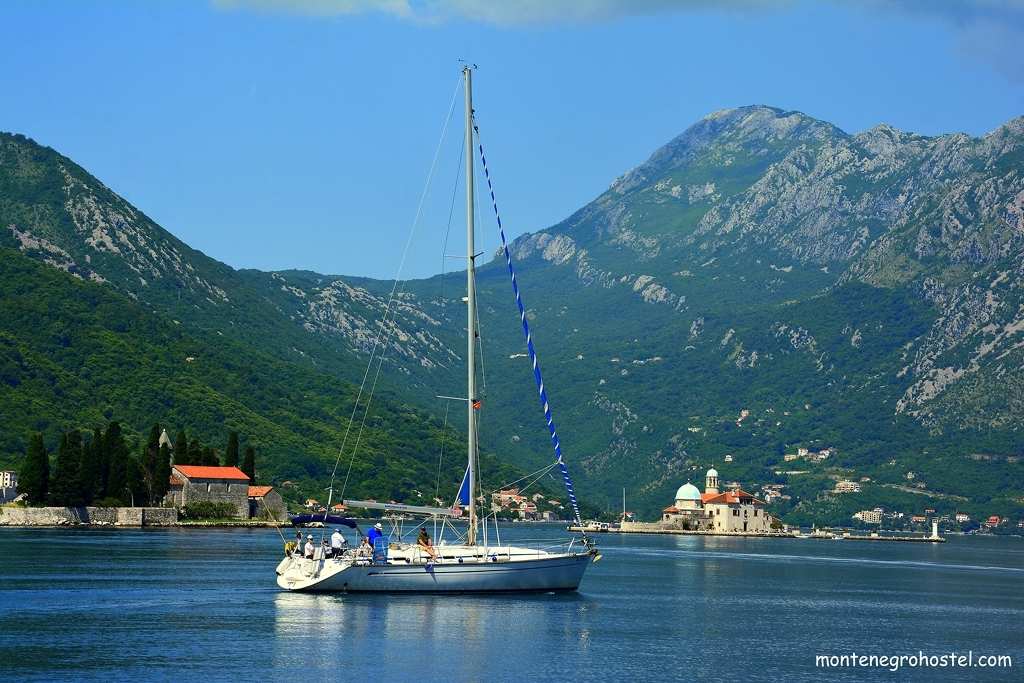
{"type": "Point", "coordinates": [275, 134]}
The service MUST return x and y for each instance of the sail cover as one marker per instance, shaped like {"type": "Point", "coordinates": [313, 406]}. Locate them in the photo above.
{"type": "Point", "coordinates": [299, 520]}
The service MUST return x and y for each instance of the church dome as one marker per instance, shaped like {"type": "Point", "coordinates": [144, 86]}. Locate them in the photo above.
{"type": "Point", "coordinates": [712, 472]}
{"type": "Point", "coordinates": [687, 492]}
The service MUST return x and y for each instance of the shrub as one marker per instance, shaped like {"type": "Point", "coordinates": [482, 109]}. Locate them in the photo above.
{"type": "Point", "coordinates": [208, 510]}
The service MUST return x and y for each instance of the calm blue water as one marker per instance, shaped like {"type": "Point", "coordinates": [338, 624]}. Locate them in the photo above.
{"type": "Point", "coordinates": [202, 606]}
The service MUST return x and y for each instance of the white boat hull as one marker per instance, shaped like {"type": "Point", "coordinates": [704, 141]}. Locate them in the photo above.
{"type": "Point", "coordinates": [552, 572]}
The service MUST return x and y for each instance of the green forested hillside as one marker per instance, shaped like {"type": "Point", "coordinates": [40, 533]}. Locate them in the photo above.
{"type": "Point", "coordinates": [75, 354]}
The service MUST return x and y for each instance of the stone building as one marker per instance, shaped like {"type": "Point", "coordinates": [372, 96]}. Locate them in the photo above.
{"type": "Point", "coordinates": [732, 511]}
{"type": "Point", "coordinates": [266, 503]}
{"type": "Point", "coordinates": [201, 483]}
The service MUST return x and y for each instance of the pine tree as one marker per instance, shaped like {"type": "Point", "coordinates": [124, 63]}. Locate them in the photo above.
{"type": "Point", "coordinates": [181, 448]}
{"type": "Point", "coordinates": [34, 477]}
{"type": "Point", "coordinates": [161, 475]}
{"type": "Point", "coordinates": [117, 455]}
{"type": "Point", "coordinates": [231, 455]}
{"type": "Point", "coordinates": [249, 463]}
{"type": "Point", "coordinates": [66, 487]}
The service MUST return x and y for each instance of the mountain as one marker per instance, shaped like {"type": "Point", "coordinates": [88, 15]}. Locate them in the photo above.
{"type": "Point", "coordinates": [91, 330]}
{"type": "Point", "coordinates": [764, 281]}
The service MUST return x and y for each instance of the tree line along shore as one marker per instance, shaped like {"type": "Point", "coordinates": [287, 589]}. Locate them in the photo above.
{"type": "Point", "coordinates": [100, 469]}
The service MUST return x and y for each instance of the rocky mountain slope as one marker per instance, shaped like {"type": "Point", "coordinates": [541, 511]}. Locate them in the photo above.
{"type": "Point", "coordinates": [763, 281]}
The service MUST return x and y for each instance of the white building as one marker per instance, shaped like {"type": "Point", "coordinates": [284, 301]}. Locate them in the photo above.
{"type": "Point", "coordinates": [733, 511]}
{"type": "Point", "coordinates": [846, 486]}
{"type": "Point", "coordinates": [869, 516]}
{"type": "Point", "coordinates": [8, 485]}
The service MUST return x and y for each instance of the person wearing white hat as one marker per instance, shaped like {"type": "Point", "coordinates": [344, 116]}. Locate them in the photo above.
{"type": "Point", "coordinates": [309, 547]}
{"type": "Point", "coordinates": [374, 533]}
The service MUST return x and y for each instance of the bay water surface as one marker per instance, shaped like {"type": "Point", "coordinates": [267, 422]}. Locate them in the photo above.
{"type": "Point", "coordinates": [202, 605]}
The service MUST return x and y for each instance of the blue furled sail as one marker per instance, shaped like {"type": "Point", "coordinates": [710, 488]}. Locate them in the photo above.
{"type": "Point", "coordinates": [529, 344]}
{"type": "Point", "coordinates": [463, 496]}
{"type": "Point", "coordinates": [299, 520]}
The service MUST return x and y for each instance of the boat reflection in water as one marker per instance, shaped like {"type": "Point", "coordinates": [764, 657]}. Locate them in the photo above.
{"type": "Point", "coordinates": [318, 630]}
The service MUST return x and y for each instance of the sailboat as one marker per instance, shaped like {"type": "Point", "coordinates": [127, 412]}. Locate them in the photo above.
{"type": "Point", "coordinates": [466, 566]}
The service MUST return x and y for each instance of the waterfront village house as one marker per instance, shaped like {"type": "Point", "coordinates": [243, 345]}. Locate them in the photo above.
{"type": "Point", "coordinates": [728, 512]}
{"type": "Point", "coordinates": [870, 516]}
{"type": "Point", "coordinates": [200, 483]}
{"type": "Point", "coordinates": [266, 503]}
{"type": "Point", "coordinates": [846, 486]}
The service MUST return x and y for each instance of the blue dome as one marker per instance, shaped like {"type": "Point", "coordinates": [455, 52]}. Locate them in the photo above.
{"type": "Point", "coordinates": [687, 492]}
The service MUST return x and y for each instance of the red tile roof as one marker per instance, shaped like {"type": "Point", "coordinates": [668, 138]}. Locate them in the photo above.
{"type": "Point", "coordinates": [177, 481]}
{"type": "Point", "coordinates": [259, 491]}
{"type": "Point", "coordinates": [671, 508]}
{"type": "Point", "coordinates": [207, 472]}
{"type": "Point", "coordinates": [729, 497]}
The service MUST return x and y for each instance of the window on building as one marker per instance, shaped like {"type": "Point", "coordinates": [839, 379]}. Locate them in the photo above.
{"type": "Point", "coordinates": [755, 512]}
{"type": "Point", "coordinates": [735, 512]}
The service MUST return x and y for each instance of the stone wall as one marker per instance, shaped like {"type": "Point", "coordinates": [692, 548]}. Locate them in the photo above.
{"type": "Point", "coordinates": [95, 516]}
{"type": "Point", "coordinates": [218, 491]}
{"type": "Point", "coordinates": [270, 507]}
{"type": "Point", "coordinates": [643, 526]}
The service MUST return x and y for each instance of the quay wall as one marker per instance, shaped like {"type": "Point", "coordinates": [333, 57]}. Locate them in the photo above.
{"type": "Point", "coordinates": [89, 516]}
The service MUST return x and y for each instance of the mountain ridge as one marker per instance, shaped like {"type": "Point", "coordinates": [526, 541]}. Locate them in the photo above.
{"type": "Point", "coordinates": [758, 249]}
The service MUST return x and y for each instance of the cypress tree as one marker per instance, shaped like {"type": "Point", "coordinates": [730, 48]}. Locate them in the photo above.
{"type": "Point", "coordinates": [195, 453]}
{"type": "Point", "coordinates": [161, 475]}
{"type": "Point", "coordinates": [66, 488]}
{"type": "Point", "coordinates": [210, 457]}
{"type": "Point", "coordinates": [150, 454]}
{"type": "Point", "coordinates": [103, 459]}
{"type": "Point", "coordinates": [231, 455]}
{"type": "Point", "coordinates": [135, 489]}
{"type": "Point", "coordinates": [92, 454]}
{"type": "Point", "coordinates": [34, 477]}
{"type": "Point", "coordinates": [181, 448]}
{"type": "Point", "coordinates": [117, 454]}
{"type": "Point", "coordinates": [249, 463]}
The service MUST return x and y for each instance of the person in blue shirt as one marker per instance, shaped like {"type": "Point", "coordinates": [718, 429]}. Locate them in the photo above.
{"type": "Point", "coordinates": [374, 533]}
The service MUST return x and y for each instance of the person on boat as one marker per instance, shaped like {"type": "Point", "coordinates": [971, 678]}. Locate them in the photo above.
{"type": "Point", "coordinates": [424, 544]}
{"type": "Point", "coordinates": [298, 543]}
{"type": "Point", "coordinates": [337, 543]}
{"type": "Point", "coordinates": [309, 549]}
{"type": "Point", "coordinates": [373, 534]}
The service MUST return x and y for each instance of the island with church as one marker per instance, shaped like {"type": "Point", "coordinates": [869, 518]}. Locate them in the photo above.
{"type": "Point", "coordinates": [732, 512]}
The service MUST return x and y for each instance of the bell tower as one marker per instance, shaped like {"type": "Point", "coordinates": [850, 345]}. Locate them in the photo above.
{"type": "Point", "coordinates": [711, 481]}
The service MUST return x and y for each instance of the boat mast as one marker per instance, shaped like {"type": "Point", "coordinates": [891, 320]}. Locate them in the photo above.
{"type": "Point", "coordinates": [467, 76]}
